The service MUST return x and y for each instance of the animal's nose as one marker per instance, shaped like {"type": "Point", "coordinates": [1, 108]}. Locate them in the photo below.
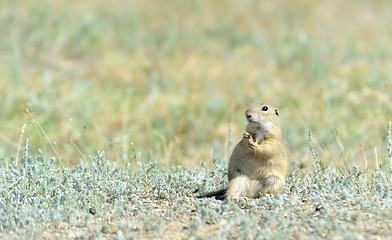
{"type": "Point", "coordinates": [248, 115]}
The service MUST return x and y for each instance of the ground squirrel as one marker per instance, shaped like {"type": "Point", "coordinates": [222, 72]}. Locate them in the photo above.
{"type": "Point", "coordinates": [258, 164]}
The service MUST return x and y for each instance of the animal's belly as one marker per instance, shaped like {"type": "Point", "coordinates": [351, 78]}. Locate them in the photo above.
{"type": "Point", "coordinates": [254, 169]}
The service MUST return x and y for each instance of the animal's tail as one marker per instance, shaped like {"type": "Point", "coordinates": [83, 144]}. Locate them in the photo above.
{"type": "Point", "coordinates": [219, 195]}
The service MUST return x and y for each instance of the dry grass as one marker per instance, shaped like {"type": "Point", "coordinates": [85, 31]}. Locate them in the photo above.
{"type": "Point", "coordinates": [99, 200]}
{"type": "Point", "coordinates": [171, 78]}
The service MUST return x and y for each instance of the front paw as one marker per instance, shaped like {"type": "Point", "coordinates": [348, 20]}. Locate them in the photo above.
{"type": "Point", "coordinates": [252, 146]}
{"type": "Point", "coordinates": [248, 137]}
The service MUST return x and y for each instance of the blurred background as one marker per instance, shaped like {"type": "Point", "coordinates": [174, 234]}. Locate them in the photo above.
{"type": "Point", "coordinates": [172, 79]}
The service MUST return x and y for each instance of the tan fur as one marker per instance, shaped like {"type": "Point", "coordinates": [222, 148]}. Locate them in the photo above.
{"type": "Point", "coordinates": [258, 164]}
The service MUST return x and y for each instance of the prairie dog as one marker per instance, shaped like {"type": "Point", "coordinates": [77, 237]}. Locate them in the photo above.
{"type": "Point", "coordinates": [258, 164]}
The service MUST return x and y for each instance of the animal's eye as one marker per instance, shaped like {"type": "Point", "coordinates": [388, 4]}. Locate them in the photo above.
{"type": "Point", "coordinates": [265, 108]}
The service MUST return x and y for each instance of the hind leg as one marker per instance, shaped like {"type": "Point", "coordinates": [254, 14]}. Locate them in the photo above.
{"type": "Point", "coordinates": [238, 187]}
{"type": "Point", "coordinates": [270, 184]}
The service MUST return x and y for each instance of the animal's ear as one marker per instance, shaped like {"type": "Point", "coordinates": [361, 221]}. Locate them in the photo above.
{"type": "Point", "coordinates": [276, 112]}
